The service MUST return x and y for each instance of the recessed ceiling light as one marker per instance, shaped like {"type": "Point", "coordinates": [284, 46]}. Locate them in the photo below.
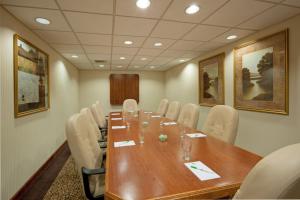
{"type": "Point", "coordinates": [101, 65]}
{"type": "Point", "coordinates": [152, 67]}
{"type": "Point", "coordinates": [122, 58]}
{"type": "Point", "coordinates": [182, 60]}
{"type": "Point", "coordinates": [231, 37]}
{"type": "Point", "coordinates": [128, 42]}
{"type": "Point", "coordinates": [143, 58]}
{"type": "Point", "coordinates": [158, 44]}
{"type": "Point", "coordinates": [43, 21]}
{"type": "Point", "coordinates": [74, 56]}
{"type": "Point", "coordinates": [192, 9]}
{"type": "Point", "coordinates": [143, 4]}
{"type": "Point", "coordinates": [119, 66]}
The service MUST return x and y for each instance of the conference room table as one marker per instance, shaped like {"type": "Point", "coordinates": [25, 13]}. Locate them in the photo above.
{"type": "Point", "coordinates": [156, 170]}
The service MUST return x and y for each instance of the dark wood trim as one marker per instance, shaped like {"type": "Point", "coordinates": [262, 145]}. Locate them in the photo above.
{"type": "Point", "coordinates": [39, 172]}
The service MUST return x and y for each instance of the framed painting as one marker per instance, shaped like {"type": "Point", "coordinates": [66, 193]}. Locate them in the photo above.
{"type": "Point", "coordinates": [261, 75]}
{"type": "Point", "coordinates": [31, 78]}
{"type": "Point", "coordinates": [211, 80]}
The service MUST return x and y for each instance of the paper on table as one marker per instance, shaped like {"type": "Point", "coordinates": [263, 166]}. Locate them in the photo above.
{"type": "Point", "coordinates": [114, 119]}
{"type": "Point", "coordinates": [118, 127]}
{"type": "Point", "coordinates": [201, 171]}
{"type": "Point", "coordinates": [115, 113]}
{"type": "Point", "coordinates": [169, 123]}
{"type": "Point", "coordinates": [155, 116]}
{"type": "Point", "coordinates": [124, 143]}
{"type": "Point", "coordinates": [147, 112]}
{"type": "Point", "coordinates": [196, 135]}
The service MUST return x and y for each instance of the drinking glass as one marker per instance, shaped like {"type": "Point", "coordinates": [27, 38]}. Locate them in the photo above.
{"type": "Point", "coordinates": [144, 126]}
{"type": "Point", "coordinates": [187, 147]}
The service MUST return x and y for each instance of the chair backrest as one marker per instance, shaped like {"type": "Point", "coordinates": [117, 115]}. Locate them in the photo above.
{"type": "Point", "coordinates": [88, 114]}
{"type": "Point", "coordinates": [98, 114]}
{"type": "Point", "coordinates": [130, 105]}
{"type": "Point", "coordinates": [173, 110]}
{"type": "Point", "coordinates": [277, 176]}
{"type": "Point", "coordinates": [222, 122]}
{"type": "Point", "coordinates": [86, 152]}
{"type": "Point", "coordinates": [162, 108]}
{"type": "Point", "coordinates": [189, 115]}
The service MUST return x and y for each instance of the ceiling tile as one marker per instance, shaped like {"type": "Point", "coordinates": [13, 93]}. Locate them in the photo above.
{"type": "Point", "coordinates": [84, 66]}
{"type": "Point", "coordinates": [32, 3]}
{"type": "Point", "coordinates": [177, 10]}
{"type": "Point", "coordinates": [133, 26]}
{"type": "Point", "coordinates": [172, 53]}
{"type": "Point", "coordinates": [165, 43]}
{"type": "Point", "coordinates": [119, 41]}
{"type": "Point", "coordinates": [238, 32]}
{"type": "Point", "coordinates": [129, 8]}
{"type": "Point", "coordinates": [94, 6]}
{"type": "Point", "coordinates": [118, 67]}
{"type": "Point", "coordinates": [124, 51]}
{"type": "Point", "coordinates": [185, 45]}
{"type": "Point", "coordinates": [149, 52]}
{"type": "Point", "coordinates": [97, 49]}
{"type": "Point", "coordinates": [90, 23]}
{"type": "Point", "coordinates": [172, 30]}
{"type": "Point", "coordinates": [208, 46]}
{"type": "Point", "coordinates": [28, 15]}
{"type": "Point", "coordinates": [191, 54]}
{"type": "Point", "coordinates": [58, 37]}
{"type": "Point", "coordinates": [62, 48]}
{"type": "Point", "coordinates": [106, 67]}
{"type": "Point", "coordinates": [94, 39]}
{"type": "Point", "coordinates": [292, 2]}
{"type": "Point", "coordinates": [160, 60]}
{"type": "Point", "coordinates": [135, 67]}
{"type": "Point", "coordinates": [205, 33]}
{"type": "Point", "coordinates": [138, 60]}
{"type": "Point", "coordinates": [271, 16]}
{"type": "Point", "coordinates": [237, 11]}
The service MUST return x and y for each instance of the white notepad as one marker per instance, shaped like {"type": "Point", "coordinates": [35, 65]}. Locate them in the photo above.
{"type": "Point", "coordinates": [118, 127]}
{"type": "Point", "coordinates": [169, 123]}
{"type": "Point", "coordinates": [201, 171]}
{"type": "Point", "coordinates": [124, 143]}
{"type": "Point", "coordinates": [155, 116]}
{"type": "Point", "coordinates": [196, 135]}
{"type": "Point", "coordinates": [115, 113]}
{"type": "Point", "coordinates": [115, 119]}
{"type": "Point", "coordinates": [147, 112]}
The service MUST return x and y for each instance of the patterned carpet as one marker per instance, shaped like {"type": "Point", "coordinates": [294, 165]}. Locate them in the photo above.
{"type": "Point", "coordinates": [67, 185]}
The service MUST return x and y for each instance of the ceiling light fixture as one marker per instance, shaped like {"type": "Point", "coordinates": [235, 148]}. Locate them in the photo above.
{"type": "Point", "coordinates": [128, 42]}
{"type": "Point", "coordinates": [143, 4]}
{"type": "Point", "coordinates": [143, 58]}
{"type": "Point", "coordinates": [122, 58]}
{"type": "Point", "coordinates": [119, 66]}
{"type": "Point", "coordinates": [74, 56]}
{"type": "Point", "coordinates": [43, 21]}
{"type": "Point", "coordinates": [182, 60]}
{"type": "Point", "coordinates": [158, 44]}
{"type": "Point", "coordinates": [152, 67]}
{"type": "Point", "coordinates": [101, 66]}
{"type": "Point", "coordinates": [231, 37]}
{"type": "Point", "coordinates": [192, 9]}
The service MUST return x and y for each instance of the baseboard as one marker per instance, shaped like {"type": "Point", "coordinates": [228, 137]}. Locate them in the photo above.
{"type": "Point", "coordinates": [30, 181]}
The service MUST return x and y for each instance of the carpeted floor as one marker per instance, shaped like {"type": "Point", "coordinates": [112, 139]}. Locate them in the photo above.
{"type": "Point", "coordinates": [67, 185]}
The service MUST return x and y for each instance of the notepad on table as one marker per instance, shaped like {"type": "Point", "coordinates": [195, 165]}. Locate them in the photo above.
{"type": "Point", "coordinates": [124, 143]}
{"type": "Point", "coordinates": [147, 112]}
{"type": "Point", "coordinates": [118, 127]}
{"type": "Point", "coordinates": [201, 171]}
{"type": "Point", "coordinates": [169, 123]}
{"type": "Point", "coordinates": [196, 135]}
{"type": "Point", "coordinates": [115, 119]}
{"type": "Point", "coordinates": [115, 113]}
{"type": "Point", "coordinates": [155, 116]}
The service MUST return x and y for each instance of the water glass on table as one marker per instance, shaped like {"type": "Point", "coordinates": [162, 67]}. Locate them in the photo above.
{"type": "Point", "coordinates": [186, 144]}
{"type": "Point", "coordinates": [143, 128]}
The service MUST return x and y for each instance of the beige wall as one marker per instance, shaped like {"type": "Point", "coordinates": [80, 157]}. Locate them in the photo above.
{"type": "Point", "coordinates": [258, 132]}
{"type": "Point", "coordinates": [94, 85]}
{"type": "Point", "coordinates": [27, 142]}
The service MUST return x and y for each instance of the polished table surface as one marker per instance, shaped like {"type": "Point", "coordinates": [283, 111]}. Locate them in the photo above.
{"type": "Point", "coordinates": [156, 170]}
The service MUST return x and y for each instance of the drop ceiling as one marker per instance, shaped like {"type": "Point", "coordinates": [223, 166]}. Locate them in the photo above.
{"type": "Point", "coordinates": [96, 29]}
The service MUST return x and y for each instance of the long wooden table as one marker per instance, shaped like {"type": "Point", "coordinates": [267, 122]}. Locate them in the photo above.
{"type": "Point", "coordinates": [156, 170]}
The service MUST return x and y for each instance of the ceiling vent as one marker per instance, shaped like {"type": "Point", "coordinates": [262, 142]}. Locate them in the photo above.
{"type": "Point", "coordinates": [100, 61]}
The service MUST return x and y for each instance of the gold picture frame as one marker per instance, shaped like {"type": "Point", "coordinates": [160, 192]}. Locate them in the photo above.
{"type": "Point", "coordinates": [261, 75]}
{"type": "Point", "coordinates": [211, 81]}
{"type": "Point", "coordinates": [31, 78]}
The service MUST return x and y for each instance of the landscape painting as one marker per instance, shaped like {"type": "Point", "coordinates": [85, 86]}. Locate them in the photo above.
{"type": "Point", "coordinates": [31, 78]}
{"type": "Point", "coordinates": [211, 81]}
{"type": "Point", "coordinates": [261, 75]}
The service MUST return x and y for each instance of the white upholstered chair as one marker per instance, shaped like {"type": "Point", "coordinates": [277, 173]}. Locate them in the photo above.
{"type": "Point", "coordinates": [277, 176]}
{"type": "Point", "coordinates": [87, 155]}
{"type": "Point", "coordinates": [162, 108]}
{"type": "Point", "coordinates": [99, 115]}
{"type": "Point", "coordinates": [189, 115]}
{"type": "Point", "coordinates": [130, 105]}
{"type": "Point", "coordinates": [222, 123]}
{"type": "Point", "coordinates": [173, 110]}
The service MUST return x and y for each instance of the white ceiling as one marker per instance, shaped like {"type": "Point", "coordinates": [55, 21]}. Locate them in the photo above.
{"type": "Point", "coordinates": [96, 29]}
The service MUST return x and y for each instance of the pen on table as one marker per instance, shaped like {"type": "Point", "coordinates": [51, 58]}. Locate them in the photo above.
{"type": "Point", "coordinates": [201, 169]}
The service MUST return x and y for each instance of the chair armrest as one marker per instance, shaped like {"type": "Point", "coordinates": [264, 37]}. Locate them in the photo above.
{"type": "Point", "coordinates": [85, 176]}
